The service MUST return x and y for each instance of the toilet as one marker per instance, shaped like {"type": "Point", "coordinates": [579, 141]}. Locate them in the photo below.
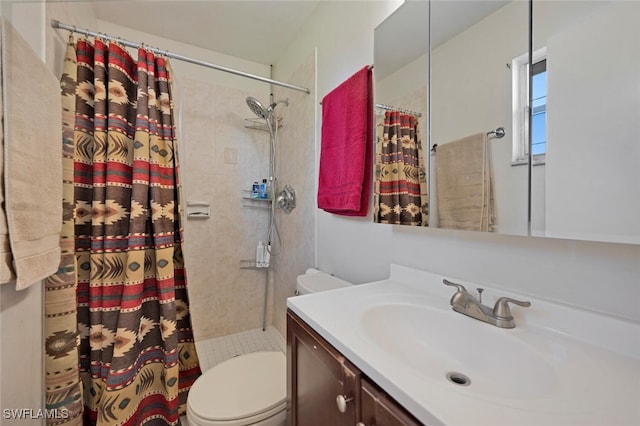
{"type": "Point", "coordinates": [250, 389]}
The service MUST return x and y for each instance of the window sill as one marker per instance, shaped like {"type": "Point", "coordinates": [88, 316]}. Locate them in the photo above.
{"type": "Point", "coordinates": [536, 162]}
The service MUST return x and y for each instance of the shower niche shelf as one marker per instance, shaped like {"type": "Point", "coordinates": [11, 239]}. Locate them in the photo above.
{"type": "Point", "coordinates": [260, 124]}
{"type": "Point", "coordinates": [249, 201]}
{"type": "Point", "coordinates": [250, 264]}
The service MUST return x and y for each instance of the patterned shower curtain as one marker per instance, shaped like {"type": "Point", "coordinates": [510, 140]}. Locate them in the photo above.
{"type": "Point", "coordinates": [63, 391]}
{"type": "Point", "coordinates": [400, 177]}
{"type": "Point", "coordinates": [136, 353]}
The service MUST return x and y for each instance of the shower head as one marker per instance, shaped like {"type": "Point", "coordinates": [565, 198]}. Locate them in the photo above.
{"type": "Point", "coordinates": [257, 108]}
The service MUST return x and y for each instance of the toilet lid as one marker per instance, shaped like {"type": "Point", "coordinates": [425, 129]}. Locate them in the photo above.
{"type": "Point", "coordinates": [240, 387]}
{"type": "Point", "coordinates": [319, 281]}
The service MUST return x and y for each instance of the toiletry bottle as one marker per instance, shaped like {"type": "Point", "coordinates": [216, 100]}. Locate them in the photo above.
{"type": "Point", "coordinates": [269, 190]}
{"type": "Point", "coordinates": [260, 255]}
{"type": "Point", "coordinates": [267, 255]}
{"type": "Point", "coordinates": [255, 190]}
{"type": "Point", "coordinates": [263, 189]}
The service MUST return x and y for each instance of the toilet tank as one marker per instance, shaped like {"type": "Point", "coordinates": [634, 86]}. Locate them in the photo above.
{"type": "Point", "coordinates": [314, 281]}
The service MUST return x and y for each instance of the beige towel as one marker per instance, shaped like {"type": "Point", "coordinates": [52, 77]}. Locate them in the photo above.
{"type": "Point", "coordinates": [32, 163]}
{"type": "Point", "coordinates": [464, 186]}
{"type": "Point", "coordinates": [6, 268]}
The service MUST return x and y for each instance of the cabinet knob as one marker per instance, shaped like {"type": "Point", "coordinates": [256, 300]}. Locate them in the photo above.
{"type": "Point", "coordinates": [342, 401]}
{"type": "Point", "coordinates": [360, 424]}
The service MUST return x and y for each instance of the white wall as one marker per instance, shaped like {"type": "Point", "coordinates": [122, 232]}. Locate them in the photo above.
{"type": "Point", "coordinates": [597, 276]}
{"type": "Point", "coordinates": [22, 312]}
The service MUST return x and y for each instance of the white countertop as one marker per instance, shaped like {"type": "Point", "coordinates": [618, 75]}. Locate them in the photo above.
{"type": "Point", "coordinates": [592, 361]}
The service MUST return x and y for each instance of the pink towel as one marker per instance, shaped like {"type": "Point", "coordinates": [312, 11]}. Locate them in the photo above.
{"type": "Point", "coordinates": [344, 183]}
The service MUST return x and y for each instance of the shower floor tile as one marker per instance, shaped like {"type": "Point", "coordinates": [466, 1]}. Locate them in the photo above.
{"type": "Point", "coordinates": [214, 351]}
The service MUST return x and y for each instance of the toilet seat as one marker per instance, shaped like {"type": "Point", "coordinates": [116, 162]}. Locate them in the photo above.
{"type": "Point", "coordinates": [240, 391]}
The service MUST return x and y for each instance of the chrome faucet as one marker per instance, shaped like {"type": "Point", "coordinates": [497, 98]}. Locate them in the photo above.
{"type": "Point", "coordinates": [466, 304]}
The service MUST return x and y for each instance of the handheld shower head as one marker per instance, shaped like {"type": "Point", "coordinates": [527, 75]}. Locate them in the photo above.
{"type": "Point", "coordinates": [257, 108]}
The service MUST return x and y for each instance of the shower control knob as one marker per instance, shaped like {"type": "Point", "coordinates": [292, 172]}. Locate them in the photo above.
{"type": "Point", "coordinates": [342, 401]}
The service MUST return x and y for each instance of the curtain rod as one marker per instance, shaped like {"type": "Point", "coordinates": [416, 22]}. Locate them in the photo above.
{"type": "Point", "coordinates": [402, 110]}
{"type": "Point", "coordinates": [59, 25]}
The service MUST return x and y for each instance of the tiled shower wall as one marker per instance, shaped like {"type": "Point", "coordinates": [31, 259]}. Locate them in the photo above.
{"type": "Point", "coordinates": [219, 158]}
{"type": "Point", "coordinates": [296, 167]}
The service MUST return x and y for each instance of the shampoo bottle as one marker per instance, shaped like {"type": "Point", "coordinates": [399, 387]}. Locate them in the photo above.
{"type": "Point", "coordinates": [260, 249]}
{"type": "Point", "coordinates": [263, 189]}
{"type": "Point", "coordinates": [269, 190]}
{"type": "Point", "coordinates": [266, 255]}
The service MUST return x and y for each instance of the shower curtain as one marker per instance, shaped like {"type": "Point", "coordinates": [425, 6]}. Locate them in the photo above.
{"type": "Point", "coordinates": [136, 354]}
{"type": "Point", "coordinates": [400, 177]}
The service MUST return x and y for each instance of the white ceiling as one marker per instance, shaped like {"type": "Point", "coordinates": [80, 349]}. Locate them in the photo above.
{"type": "Point", "coordinates": [258, 31]}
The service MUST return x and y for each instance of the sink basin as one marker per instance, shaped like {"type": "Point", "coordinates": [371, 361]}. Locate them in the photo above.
{"type": "Point", "coordinates": [559, 366]}
{"type": "Point", "coordinates": [461, 352]}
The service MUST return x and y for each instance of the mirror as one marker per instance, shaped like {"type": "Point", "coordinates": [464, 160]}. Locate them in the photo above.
{"type": "Point", "coordinates": [474, 185]}
{"type": "Point", "coordinates": [585, 170]}
{"type": "Point", "coordinates": [592, 169]}
{"type": "Point", "coordinates": [401, 69]}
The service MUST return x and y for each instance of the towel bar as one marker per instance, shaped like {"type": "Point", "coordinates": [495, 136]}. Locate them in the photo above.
{"type": "Point", "coordinates": [498, 133]}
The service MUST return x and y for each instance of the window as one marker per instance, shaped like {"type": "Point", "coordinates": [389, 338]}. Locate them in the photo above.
{"type": "Point", "coordinates": [520, 78]}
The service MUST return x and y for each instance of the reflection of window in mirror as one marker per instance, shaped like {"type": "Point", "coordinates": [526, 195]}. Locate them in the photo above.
{"type": "Point", "coordinates": [520, 79]}
{"type": "Point", "coordinates": [539, 110]}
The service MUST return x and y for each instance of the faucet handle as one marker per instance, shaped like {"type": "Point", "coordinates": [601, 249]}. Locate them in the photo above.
{"type": "Point", "coordinates": [501, 308]}
{"type": "Point", "coordinates": [460, 287]}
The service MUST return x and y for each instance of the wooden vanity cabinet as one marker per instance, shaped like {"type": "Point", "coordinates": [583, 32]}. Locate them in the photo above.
{"type": "Point", "coordinates": [325, 389]}
{"type": "Point", "coordinates": [379, 409]}
{"type": "Point", "coordinates": [317, 375]}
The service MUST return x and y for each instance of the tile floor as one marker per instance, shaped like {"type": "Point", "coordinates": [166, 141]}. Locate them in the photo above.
{"type": "Point", "coordinates": [214, 351]}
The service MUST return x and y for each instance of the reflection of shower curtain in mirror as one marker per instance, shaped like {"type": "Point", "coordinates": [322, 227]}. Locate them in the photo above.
{"type": "Point", "coordinates": [400, 179]}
